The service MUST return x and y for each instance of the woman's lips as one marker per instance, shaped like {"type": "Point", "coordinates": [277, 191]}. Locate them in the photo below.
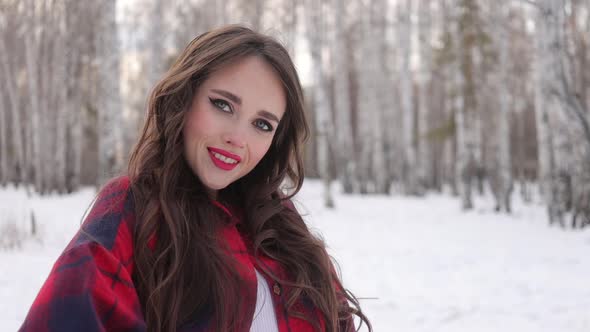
{"type": "Point", "coordinates": [224, 159]}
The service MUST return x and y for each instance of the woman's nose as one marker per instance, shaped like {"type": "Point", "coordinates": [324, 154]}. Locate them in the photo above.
{"type": "Point", "coordinates": [236, 138]}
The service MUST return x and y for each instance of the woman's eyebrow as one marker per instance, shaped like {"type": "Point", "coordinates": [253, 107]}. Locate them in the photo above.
{"type": "Point", "coordinates": [229, 96]}
{"type": "Point", "coordinates": [265, 114]}
{"type": "Point", "coordinates": [268, 115]}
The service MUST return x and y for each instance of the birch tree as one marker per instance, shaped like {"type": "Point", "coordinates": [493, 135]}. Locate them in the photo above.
{"type": "Point", "coordinates": [109, 98]}
{"type": "Point", "coordinates": [521, 86]}
{"type": "Point", "coordinates": [77, 39]}
{"type": "Point", "coordinates": [390, 103]}
{"type": "Point", "coordinates": [464, 134]}
{"type": "Point", "coordinates": [48, 100]}
{"type": "Point", "coordinates": [3, 119]}
{"type": "Point", "coordinates": [10, 88]}
{"type": "Point", "coordinates": [446, 68]}
{"type": "Point", "coordinates": [423, 147]}
{"type": "Point", "coordinates": [346, 156]}
{"type": "Point", "coordinates": [405, 85]}
{"type": "Point", "coordinates": [383, 85]}
{"type": "Point", "coordinates": [546, 32]}
{"type": "Point", "coordinates": [577, 32]}
{"type": "Point", "coordinates": [62, 60]}
{"type": "Point", "coordinates": [501, 179]}
{"type": "Point", "coordinates": [316, 38]}
{"type": "Point", "coordinates": [555, 104]}
{"type": "Point", "coordinates": [372, 170]}
{"type": "Point", "coordinates": [576, 84]}
{"type": "Point", "coordinates": [32, 41]}
{"type": "Point", "coordinates": [4, 176]}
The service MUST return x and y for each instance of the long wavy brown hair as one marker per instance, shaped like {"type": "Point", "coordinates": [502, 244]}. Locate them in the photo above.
{"type": "Point", "coordinates": [187, 273]}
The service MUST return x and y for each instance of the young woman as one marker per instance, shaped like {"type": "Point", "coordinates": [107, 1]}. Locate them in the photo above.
{"type": "Point", "coordinates": [198, 236]}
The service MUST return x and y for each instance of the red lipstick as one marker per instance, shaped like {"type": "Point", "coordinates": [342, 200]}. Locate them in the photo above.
{"type": "Point", "coordinates": [220, 163]}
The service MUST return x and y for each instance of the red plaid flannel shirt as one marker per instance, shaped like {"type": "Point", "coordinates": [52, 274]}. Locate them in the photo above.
{"type": "Point", "coordinates": [90, 288]}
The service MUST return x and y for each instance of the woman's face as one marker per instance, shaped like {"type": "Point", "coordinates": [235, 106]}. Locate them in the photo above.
{"type": "Point", "coordinates": [232, 121]}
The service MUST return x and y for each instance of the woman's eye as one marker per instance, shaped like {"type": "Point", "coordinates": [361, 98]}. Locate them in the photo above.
{"type": "Point", "coordinates": [263, 125]}
{"type": "Point", "coordinates": [221, 104]}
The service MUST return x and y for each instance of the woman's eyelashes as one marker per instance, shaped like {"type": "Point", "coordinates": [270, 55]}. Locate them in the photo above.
{"type": "Point", "coordinates": [225, 107]}
{"type": "Point", "coordinates": [221, 104]}
{"type": "Point", "coordinates": [263, 125]}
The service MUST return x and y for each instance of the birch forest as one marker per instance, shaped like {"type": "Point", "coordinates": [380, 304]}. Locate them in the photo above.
{"type": "Point", "coordinates": [404, 97]}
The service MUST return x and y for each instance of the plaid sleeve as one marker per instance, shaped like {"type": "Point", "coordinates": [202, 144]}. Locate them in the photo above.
{"type": "Point", "coordinates": [89, 287]}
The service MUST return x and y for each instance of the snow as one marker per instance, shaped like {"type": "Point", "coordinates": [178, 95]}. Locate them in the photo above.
{"type": "Point", "coordinates": [418, 264]}
{"type": "Point", "coordinates": [22, 272]}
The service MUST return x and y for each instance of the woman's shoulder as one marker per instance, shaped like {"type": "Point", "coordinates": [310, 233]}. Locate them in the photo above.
{"type": "Point", "coordinates": [111, 219]}
{"type": "Point", "coordinates": [90, 286]}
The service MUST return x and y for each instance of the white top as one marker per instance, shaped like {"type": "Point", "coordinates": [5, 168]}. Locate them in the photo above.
{"type": "Point", "coordinates": [264, 314]}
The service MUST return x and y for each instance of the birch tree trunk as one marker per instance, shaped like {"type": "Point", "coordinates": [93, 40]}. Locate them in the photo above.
{"type": "Point", "coordinates": [346, 155]}
{"type": "Point", "coordinates": [316, 37]}
{"type": "Point", "coordinates": [4, 174]}
{"type": "Point", "coordinates": [61, 59]}
{"type": "Point", "coordinates": [77, 45]}
{"type": "Point", "coordinates": [109, 97]}
{"type": "Point", "coordinates": [31, 53]}
{"type": "Point", "coordinates": [475, 112]}
{"type": "Point", "coordinates": [562, 147]}
{"type": "Point", "coordinates": [10, 87]}
{"type": "Point", "coordinates": [377, 27]}
{"type": "Point", "coordinates": [544, 150]}
{"type": "Point", "coordinates": [372, 167]}
{"type": "Point", "coordinates": [390, 126]}
{"type": "Point", "coordinates": [423, 147]}
{"type": "Point", "coordinates": [447, 60]}
{"type": "Point", "coordinates": [405, 85]}
{"type": "Point", "coordinates": [503, 174]}
{"type": "Point", "coordinates": [47, 102]}
{"type": "Point", "coordinates": [546, 32]}
{"type": "Point", "coordinates": [366, 104]}
{"type": "Point", "coordinates": [465, 159]}
{"type": "Point", "coordinates": [577, 33]}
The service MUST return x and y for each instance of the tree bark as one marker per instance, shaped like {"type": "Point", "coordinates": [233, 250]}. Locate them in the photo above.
{"type": "Point", "coordinates": [346, 154]}
{"type": "Point", "coordinates": [316, 38]}
{"type": "Point", "coordinates": [4, 175]}
{"type": "Point", "coordinates": [423, 146]}
{"type": "Point", "coordinates": [62, 60]}
{"type": "Point", "coordinates": [547, 108]}
{"type": "Point", "coordinates": [9, 81]}
{"type": "Point", "coordinates": [109, 95]}
{"type": "Point", "coordinates": [31, 53]}
{"type": "Point", "coordinates": [410, 180]}
{"type": "Point", "coordinates": [504, 171]}
{"type": "Point", "coordinates": [464, 117]}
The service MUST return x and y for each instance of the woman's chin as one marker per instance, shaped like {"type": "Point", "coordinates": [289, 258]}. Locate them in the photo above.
{"type": "Point", "coordinates": [214, 187]}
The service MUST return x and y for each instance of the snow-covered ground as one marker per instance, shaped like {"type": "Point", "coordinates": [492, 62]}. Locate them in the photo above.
{"type": "Point", "coordinates": [416, 264]}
